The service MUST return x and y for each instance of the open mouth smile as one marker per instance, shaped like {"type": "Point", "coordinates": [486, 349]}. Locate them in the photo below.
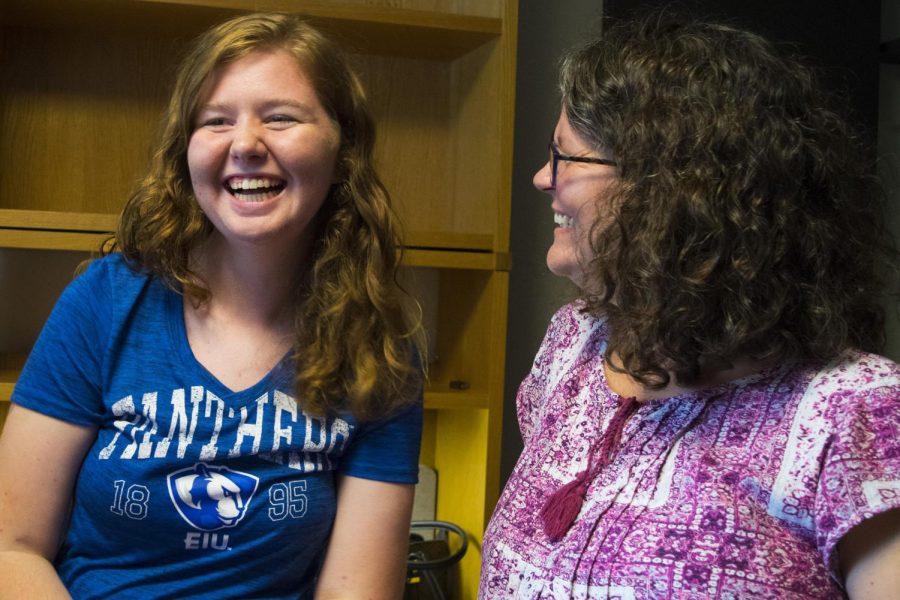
{"type": "Point", "coordinates": [563, 221]}
{"type": "Point", "coordinates": [254, 189]}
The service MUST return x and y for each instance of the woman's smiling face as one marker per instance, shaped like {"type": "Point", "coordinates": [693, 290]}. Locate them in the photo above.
{"type": "Point", "coordinates": [263, 151]}
{"type": "Point", "coordinates": [578, 201]}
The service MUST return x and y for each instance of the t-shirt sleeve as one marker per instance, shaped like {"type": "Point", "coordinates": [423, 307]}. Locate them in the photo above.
{"type": "Point", "coordinates": [388, 450]}
{"type": "Point", "coordinates": [860, 475]}
{"type": "Point", "coordinates": [62, 377]}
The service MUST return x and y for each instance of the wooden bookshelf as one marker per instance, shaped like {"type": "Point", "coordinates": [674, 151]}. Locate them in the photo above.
{"type": "Point", "coordinates": [82, 87]}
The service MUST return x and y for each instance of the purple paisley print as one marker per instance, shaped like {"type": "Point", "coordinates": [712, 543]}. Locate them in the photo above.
{"type": "Point", "coordinates": [738, 491]}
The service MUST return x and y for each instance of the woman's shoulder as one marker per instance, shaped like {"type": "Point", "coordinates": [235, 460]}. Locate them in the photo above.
{"type": "Point", "coordinates": [573, 337]}
{"type": "Point", "coordinates": [572, 323]}
{"type": "Point", "coordinates": [113, 264]}
{"type": "Point", "coordinates": [857, 371]}
{"type": "Point", "coordinates": [108, 283]}
{"type": "Point", "coordinates": [112, 271]}
{"type": "Point", "coordinates": [841, 394]}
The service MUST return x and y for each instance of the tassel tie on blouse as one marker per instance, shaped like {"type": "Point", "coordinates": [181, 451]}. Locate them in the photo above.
{"type": "Point", "coordinates": [561, 508]}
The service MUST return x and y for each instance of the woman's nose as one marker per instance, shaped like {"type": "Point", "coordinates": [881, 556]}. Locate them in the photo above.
{"type": "Point", "coordinates": [248, 143]}
{"type": "Point", "coordinates": [542, 179]}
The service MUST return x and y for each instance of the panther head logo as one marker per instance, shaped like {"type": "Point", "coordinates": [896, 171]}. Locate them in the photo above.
{"type": "Point", "coordinates": [210, 497]}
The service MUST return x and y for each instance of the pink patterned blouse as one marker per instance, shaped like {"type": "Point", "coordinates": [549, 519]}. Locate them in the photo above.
{"type": "Point", "coordinates": [739, 491]}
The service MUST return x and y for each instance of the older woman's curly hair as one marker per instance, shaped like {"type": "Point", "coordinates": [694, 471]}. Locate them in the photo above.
{"type": "Point", "coordinates": [747, 222]}
{"type": "Point", "coordinates": [356, 332]}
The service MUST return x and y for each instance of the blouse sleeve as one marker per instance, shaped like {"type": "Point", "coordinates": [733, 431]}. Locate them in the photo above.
{"type": "Point", "coordinates": [860, 475]}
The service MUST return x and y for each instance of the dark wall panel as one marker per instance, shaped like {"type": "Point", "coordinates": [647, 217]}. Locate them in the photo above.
{"type": "Point", "coordinates": [842, 38]}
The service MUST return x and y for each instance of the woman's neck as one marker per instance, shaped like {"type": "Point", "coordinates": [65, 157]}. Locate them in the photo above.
{"type": "Point", "coordinates": [247, 325]}
{"type": "Point", "coordinates": [256, 283]}
{"type": "Point", "coordinates": [627, 386]}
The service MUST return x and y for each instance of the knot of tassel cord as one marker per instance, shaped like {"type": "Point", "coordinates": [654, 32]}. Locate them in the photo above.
{"type": "Point", "coordinates": [561, 509]}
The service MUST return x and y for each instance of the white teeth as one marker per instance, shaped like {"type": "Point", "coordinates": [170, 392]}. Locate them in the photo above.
{"type": "Point", "coordinates": [254, 189]}
{"type": "Point", "coordinates": [563, 221]}
{"type": "Point", "coordinates": [252, 183]}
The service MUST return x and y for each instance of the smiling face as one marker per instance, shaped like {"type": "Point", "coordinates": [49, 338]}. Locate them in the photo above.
{"type": "Point", "coordinates": [578, 201]}
{"type": "Point", "coordinates": [263, 151]}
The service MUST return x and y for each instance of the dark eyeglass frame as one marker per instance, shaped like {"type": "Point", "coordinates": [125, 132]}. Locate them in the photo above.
{"type": "Point", "coordinates": [555, 157]}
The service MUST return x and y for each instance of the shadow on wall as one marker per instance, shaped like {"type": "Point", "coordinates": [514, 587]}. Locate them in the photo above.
{"type": "Point", "coordinates": [22, 272]}
{"type": "Point", "coordinates": [889, 150]}
{"type": "Point", "coordinates": [545, 30]}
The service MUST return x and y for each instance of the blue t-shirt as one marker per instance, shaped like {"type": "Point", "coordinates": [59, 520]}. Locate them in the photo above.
{"type": "Point", "coordinates": [191, 489]}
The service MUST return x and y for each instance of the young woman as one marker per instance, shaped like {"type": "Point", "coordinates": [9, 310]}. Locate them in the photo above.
{"type": "Point", "coordinates": [228, 405]}
{"type": "Point", "coordinates": [708, 420]}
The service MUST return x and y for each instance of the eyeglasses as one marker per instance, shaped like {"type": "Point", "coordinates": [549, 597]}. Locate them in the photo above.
{"type": "Point", "coordinates": [555, 157]}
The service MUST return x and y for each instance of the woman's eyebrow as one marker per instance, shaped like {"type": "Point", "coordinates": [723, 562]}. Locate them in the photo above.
{"type": "Point", "coordinates": [276, 102]}
{"type": "Point", "coordinates": [268, 104]}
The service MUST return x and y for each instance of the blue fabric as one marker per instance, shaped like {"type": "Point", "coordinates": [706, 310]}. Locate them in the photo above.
{"type": "Point", "coordinates": [191, 489]}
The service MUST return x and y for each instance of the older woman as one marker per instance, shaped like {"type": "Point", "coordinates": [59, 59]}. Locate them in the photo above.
{"type": "Point", "coordinates": [709, 419]}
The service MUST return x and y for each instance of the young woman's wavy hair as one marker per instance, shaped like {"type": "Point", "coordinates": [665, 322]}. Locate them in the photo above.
{"type": "Point", "coordinates": [746, 219]}
{"type": "Point", "coordinates": [356, 330]}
